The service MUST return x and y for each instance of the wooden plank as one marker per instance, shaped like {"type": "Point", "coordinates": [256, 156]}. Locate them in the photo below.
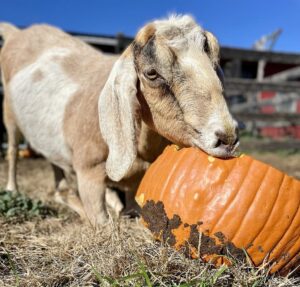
{"type": "Point", "coordinates": [234, 85]}
{"type": "Point", "coordinates": [285, 75]}
{"type": "Point", "coordinates": [244, 116]}
{"type": "Point", "coordinates": [252, 55]}
{"type": "Point", "coordinates": [96, 40]}
{"type": "Point", "coordinates": [270, 145]}
{"type": "Point", "coordinates": [250, 105]}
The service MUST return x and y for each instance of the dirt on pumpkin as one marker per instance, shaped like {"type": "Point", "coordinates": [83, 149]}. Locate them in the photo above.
{"type": "Point", "coordinates": [161, 226]}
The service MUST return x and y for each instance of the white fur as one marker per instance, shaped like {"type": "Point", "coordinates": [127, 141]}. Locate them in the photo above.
{"type": "Point", "coordinates": [39, 105]}
{"type": "Point", "coordinates": [116, 108]}
{"type": "Point", "coordinates": [191, 33]}
{"type": "Point", "coordinates": [113, 200]}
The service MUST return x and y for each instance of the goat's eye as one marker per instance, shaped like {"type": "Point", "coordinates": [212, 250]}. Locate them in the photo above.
{"type": "Point", "coordinates": [151, 74]}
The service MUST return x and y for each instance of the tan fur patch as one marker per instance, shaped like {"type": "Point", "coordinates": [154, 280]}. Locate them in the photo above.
{"type": "Point", "coordinates": [145, 34]}
{"type": "Point", "coordinates": [37, 76]}
{"type": "Point", "coordinates": [214, 48]}
{"type": "Point", "coordinates": [82, 111]}
{"type": "Point", "coordinates": [127, 52]}
{"type": "Point", "coordinates": [13, 61]}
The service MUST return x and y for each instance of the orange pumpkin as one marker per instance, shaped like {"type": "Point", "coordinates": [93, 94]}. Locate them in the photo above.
{"type": "Point", "coordinates": [213, 208]}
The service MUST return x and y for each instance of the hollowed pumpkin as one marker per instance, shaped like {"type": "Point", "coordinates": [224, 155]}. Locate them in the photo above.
{"type": "Point", "coordinates": [213, 208]}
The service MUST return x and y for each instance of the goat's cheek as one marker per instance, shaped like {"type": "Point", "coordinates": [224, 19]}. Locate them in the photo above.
{"type": "Point", "coordinates": [146, 90]}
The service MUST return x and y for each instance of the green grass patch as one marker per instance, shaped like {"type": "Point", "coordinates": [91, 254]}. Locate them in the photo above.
{"type": "Point", "coordinates": [143, 278]}
{"type": "Point", "coordinates": [19, 205]}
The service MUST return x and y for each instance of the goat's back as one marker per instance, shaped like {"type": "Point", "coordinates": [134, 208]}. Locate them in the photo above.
{"type": "Point", "coordinates": [49, 78]}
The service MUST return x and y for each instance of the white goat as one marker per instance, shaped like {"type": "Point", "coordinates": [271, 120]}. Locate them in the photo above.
{"type": "Point", "coordinates": [106, 119]}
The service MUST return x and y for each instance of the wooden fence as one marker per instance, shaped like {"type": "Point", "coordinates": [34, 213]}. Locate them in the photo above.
{"type": "Point", "coordinates": [249, 112]}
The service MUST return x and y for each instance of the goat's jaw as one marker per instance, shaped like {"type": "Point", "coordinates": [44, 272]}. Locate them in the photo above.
{"type": "Point", "coordinates": [221, 151]}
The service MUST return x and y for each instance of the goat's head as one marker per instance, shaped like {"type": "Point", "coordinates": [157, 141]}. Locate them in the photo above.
{"type": "Point", "coordinates": [170, 78]}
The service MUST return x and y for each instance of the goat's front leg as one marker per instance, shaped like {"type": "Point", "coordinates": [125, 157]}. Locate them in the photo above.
{"type": "Point", "coordinates": [12, 155]}
{"type": "Point", "coordinates": [92, 188]}
{"type": "Point", "coordinates": [13, 134]}
{"type": "Point", "coordinates": [130, 184]}
{"type": "Point", "coordinates": [113, 201]}
{"type": "Point", "coordinates": [65, 194]}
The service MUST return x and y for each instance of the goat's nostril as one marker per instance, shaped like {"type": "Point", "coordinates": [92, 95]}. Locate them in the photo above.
{"type": "Point", "coordinates": [223, 139]}
{"type": "Point", "coordinates": [218, 143]}
{"type": "Point", "coordinates": [236, 141]}
{"type": "Point", "coordinates": [226, 140]}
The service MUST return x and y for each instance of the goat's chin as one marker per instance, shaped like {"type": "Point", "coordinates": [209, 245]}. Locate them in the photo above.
{"type": "Point", "coordinates": [221, 152]}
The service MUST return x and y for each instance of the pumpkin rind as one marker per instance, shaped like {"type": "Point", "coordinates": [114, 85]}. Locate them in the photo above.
{"type": "Point", "coordinates": [253, 205]}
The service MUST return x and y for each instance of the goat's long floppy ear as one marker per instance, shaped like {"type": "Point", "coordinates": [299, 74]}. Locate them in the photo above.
{"type": "Point", "coordinates": [117, 107]}
{"type": "Point", "coordinates": [213, 47]}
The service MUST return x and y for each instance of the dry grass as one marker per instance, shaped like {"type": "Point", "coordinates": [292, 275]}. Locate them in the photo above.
{"type": "Point", "coordinates": [60, 251]}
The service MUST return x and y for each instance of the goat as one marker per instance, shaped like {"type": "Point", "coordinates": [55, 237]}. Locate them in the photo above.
{"type": "Point", "coordinates": [106, 118]}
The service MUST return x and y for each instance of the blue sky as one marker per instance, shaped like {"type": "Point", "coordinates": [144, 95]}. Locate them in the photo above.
{"type": "Point", "coordinates": [235, 22]}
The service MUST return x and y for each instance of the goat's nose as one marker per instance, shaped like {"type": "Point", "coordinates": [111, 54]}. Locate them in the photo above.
{"type": "Point", "coordinates": [225, 139]}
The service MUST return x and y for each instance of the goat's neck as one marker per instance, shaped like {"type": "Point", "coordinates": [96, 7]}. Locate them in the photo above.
{"type": "Point", "coordinates": [150, 143]}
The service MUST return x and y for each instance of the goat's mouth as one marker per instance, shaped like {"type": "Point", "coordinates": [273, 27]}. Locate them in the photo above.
{"type": "Point", "coordinates": [219, 150]}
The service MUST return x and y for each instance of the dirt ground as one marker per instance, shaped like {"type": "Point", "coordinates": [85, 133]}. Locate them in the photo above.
{"type": "Point", "coordinates": [61, 251]}
{"type": "Point", "coordinates": [35, 177]}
